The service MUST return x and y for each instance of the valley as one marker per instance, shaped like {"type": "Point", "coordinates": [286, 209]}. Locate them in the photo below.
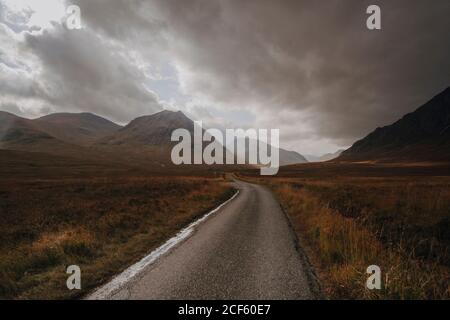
{"type": "Point", "coordinates": [384, 201]}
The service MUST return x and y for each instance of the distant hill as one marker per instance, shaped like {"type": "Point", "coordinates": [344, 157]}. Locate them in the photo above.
{"type": "Point", "coordinates": [76, 128]}
{"type": "Point", "coordinates": [423, 135]}
{"type": "Point", "coordinates": [144, 141]}
{"type": "Point", "coordinates": [291, 157]}
{"type": "Point", "coordinates": [18, 133]}
{"type": "Point", "coordinates": [324, 157]}
{"type": "Point", "coordinates": [51, 137]}
{"type": "Point", "coordinates": [286, 157]}
{"type": "Point", "coordinates": [153, 130]}
{"type": "Point", "coordinates": [73, 128]}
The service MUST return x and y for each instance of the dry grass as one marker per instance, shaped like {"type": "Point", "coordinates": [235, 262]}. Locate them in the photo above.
{"type": "Point", "coordinates": [401, 225]}
{"type": "Point", "coordinates": [102, 225]}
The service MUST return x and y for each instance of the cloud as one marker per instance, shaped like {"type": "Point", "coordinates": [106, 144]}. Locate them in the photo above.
{"type": "Point", "coordinates": [72, 70]}
{"type": "Point", "coordinates": [83, 71]}
{"type": "Point", "coordinates": [310, 68]}
{"type": "Point", "coordinates": [313, 57]}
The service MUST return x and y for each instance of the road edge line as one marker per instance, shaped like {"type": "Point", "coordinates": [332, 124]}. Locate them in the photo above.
{"type": "Point", "coordinates": [106, 290]}
{"type": "Point", "coordinates": [311, 274]}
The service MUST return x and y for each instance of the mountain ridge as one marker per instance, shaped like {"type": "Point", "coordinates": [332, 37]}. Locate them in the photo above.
{"type": "Point", "coordinates": [77, 128]}
{"type": "Point", "coordinates": [85, 134]}
{"type": "Point", "coordinates": [421, 135]}
{"type": "Point", "coordinates": [155, 129]}
{"type": "Point", "coordinates": [324, 157]}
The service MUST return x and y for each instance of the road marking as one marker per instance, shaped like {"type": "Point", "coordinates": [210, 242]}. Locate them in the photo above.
{"type": "Point", "coordinates": [105, 291]}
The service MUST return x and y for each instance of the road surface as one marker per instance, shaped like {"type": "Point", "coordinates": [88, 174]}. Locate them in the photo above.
{"type": "Point", "coordinates": [245, 250]}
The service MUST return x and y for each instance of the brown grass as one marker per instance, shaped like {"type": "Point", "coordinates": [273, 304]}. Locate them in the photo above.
{"type": "Point", "coordinates": [347, 224]}
{"type": "Point", "coordinates": [100, 224]}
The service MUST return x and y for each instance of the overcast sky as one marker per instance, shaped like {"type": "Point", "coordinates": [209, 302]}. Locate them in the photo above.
{"type": "Point", "coordinates": [310, 68]}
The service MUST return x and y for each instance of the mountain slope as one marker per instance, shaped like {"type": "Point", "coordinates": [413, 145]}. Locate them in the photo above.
{"type": "Point", "coordinates": [290, 157]}
{"type": "Point", "coordinates": [153, 134]}
{"type": "Point", "coordinates": [286, 157]}
{"type": "Point", "coordinates": [22, 134]}
{"type": "Point", "coordinates": [153, 130]}
{"type": "Point", "coordinates": [144, 141]}
{"type": "Point", "coordinates": [324, 157]}
{"type": "Point", "coordinates": [423, 135]}
{"type": "Point", "coordinates": [76, 128]}
{"type": "Point", "coordinates": [33, 136]}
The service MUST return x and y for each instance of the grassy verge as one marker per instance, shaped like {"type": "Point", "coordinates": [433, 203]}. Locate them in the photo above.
{"type": "Point", "coordinates": [345, 225]}
{"type": "Point", "coordinates": [102, 225]}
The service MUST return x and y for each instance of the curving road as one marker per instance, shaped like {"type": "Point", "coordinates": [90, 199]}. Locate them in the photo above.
{"type": "Point", "coordinates": [245, 250]}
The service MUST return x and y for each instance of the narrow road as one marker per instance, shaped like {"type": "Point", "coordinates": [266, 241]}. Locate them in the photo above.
{"type": "Point", "coordinates": [245, 250]}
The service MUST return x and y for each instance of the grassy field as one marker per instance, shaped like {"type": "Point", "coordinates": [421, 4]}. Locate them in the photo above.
{"type": "Point", "coordinates": [55, 212]}
{"type": "Point", "coordinates": [400, 223]}
{"type": "Point", "coordinates": [101, 224]}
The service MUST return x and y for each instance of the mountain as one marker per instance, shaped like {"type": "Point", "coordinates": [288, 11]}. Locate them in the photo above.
{"type": "Point", "coordinates": [290, 157]}
{"type": "Point", "coordinates": [144, 141]}
{"type": "Point", "coordinates": [153, 133]}
{"type": "Point", "coordinates": [324, 157]}
{"type": "Point", "coordinates": [58, 128]}
{"type": "Point", "coordinates": [77, 128]}
{"type": "Point", "coordinates": [64, 135]}
{"type": "Point", "coordinates": [286, 157]}
{"type": "Point", "coordinates": [422, 135]}
{"type": "Point", "coordinates": [153, 130]}
{"type": "Point", "coordinates": [23, 134]}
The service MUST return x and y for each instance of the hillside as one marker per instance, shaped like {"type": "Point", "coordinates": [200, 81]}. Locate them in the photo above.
{"type": "Point", "coordinates": [290, 157]}
{"type": "Point", "coordinates": [18, 133]}
{"type": "Point", "coordinates": [152, 130]}
{"type": "Point", "coordinates": [76, 128]}
{"type": "Point", "coordinates": [324, 157]}
{"type": "Point", "coordinates": [422, 135]}
{"type": "Point", "coordinates": [145, 141]}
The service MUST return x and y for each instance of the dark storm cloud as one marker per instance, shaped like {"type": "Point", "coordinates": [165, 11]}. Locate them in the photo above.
{"type": "Point", "coordinates": [82, 71]}
{"type": "Point", "coordinates": [314, 56]}
{"type": "Point", "coordinates": [58, 69]}
{"type": "Point", "coordinates": [308, 67]}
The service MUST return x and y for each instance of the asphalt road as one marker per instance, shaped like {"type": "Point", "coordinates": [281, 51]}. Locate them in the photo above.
{"type": "Point", "coordinates": [245, 250]}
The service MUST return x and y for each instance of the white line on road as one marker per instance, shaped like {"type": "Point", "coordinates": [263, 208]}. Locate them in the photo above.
{"type": "Point", "coordinates": [105, 291]}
